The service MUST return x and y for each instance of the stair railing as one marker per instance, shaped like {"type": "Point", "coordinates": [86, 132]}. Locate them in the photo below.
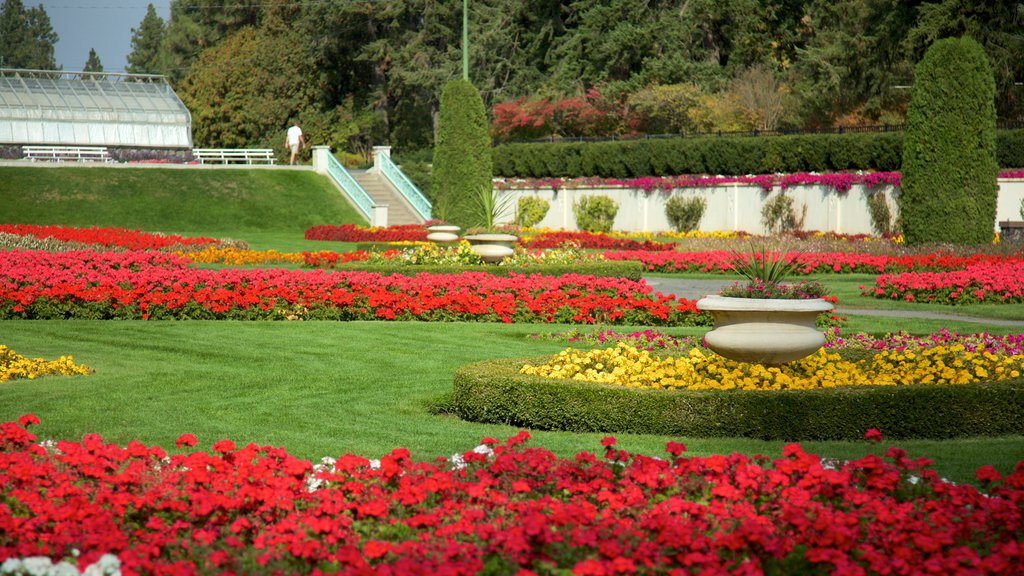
{"type": "Point", "coordinates": [348, 184]}
{"type": "Point", "coordinates": [382, 162]}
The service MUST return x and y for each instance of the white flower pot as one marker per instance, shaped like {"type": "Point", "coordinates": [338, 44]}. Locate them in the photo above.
{"type": "Point", "coordinates": [764, 331]}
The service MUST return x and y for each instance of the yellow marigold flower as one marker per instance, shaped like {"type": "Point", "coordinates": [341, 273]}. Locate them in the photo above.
{"type": "Point", "coordinates": [15, 366]}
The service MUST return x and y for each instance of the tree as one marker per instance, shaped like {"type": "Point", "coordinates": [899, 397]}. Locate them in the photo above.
{"type": "Point", "coordinates": [26, 37]}
{"type": "Point", "coordinates": [462, 155]}
{"type": "Point", "coordinates": [949, 185]}
{"type": "Point", "coordinates": [93, 64]}
{"type": "Point", "coordinates": [198, 25]}
{"type": "Point", "coordinates": [146, 40]}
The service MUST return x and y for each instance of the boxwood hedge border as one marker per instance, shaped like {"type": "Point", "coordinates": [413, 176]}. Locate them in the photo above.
{"type": "Point", "coordinates": [494, 392]}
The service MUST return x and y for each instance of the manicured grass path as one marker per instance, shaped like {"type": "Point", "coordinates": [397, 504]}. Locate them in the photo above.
{"type": "Point", "coordinates": [327, 388]}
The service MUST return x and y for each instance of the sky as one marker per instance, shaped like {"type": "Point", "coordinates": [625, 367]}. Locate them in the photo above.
{"type": "Point", "coordinates": [105, 25]}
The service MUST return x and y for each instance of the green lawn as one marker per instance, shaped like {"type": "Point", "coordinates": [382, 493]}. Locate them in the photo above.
{"type": "Point", "coordinates": [319, 388]}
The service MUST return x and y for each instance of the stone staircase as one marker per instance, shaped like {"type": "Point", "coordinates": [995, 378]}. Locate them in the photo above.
{"type": "Point", "coordinates": [382, 192]}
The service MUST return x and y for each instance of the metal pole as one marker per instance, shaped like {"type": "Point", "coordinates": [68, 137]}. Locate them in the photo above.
{"type": "Point", "coordinates": [465, 41]}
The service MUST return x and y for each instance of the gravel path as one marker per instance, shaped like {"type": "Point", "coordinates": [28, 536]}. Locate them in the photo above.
{"type": "Point", "coordinates": [695, 289]}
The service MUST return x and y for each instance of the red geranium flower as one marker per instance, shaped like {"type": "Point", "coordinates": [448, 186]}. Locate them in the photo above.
{"type": "Point", "coordinates": [224, 446]}
{"type": "Point", "coordinates": [873, 435]}
{"type": "Point", "coordinates": [186, 440]}
{"type": "Point", "coordinates": [28, 420]}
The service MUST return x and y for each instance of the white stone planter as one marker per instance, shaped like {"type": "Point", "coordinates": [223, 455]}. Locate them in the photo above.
{"type": "Point", "coordinates": [764, 331]}
{"type": "Point", "coordinates": [507, 240]}
{"type": "Point", "coordinates": [443, 237]}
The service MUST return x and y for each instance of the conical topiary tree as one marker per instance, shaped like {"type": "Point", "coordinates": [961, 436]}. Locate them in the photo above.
{"type": "Point", "coordinates": [462, 155]}
{"type": "Point", "coordinates": [949, 185]}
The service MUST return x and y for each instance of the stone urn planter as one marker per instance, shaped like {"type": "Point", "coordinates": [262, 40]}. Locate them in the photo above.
{"type": "Point", "coordinates": [492, 247]}
{"type": "Point", "coordinates": [1011, 231]}
{"type": "Point", "coordinates": [764, 331]}
{"type": "Point", "coordinates": [443, 234]}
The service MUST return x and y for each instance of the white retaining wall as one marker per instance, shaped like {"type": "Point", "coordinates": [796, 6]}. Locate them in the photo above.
{"type": "Point", "coordinates": [738, 207]}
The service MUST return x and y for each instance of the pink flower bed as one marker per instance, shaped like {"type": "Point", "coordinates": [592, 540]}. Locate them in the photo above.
{"type": "Point", "coordinates": [813, 262]}
{"type": "Point", "coordinates": [88, 284]}
{"type": "Point", "coordinates": [105, 236]}
{"type": "Point", "coordinates": [353, 233]}
{"type": "Point", "coordinates": [1001, 282]}
{"type": "Point", "coordinates": [505, 507]}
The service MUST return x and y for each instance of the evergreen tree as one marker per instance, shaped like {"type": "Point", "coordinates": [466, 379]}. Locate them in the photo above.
{"type": "Point", "coordinates": [93, 64]}
{"type": "Point", "coordinates": [26, 37]}
{"type": "Point", "coordinates": [949, 185]}
{"type": "Point", "coordinates": [146, 40]}
{"type": "Point", "coordinates": [462, 155]}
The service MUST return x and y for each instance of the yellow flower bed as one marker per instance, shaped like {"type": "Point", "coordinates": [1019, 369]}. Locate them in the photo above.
{"type": "Point", "coordinates": [14, 365]}
{"type": "Point", "coordinates": [236, 257]}
{"type": "Point", "coordinates": [624, 365]}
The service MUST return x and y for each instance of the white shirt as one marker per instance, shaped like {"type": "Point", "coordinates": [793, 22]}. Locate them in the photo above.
{"type": "Point", "coordinates": [293, 135]}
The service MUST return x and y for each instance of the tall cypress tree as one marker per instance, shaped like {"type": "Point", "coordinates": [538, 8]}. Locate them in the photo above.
{"type": "Point", "coordinates": [949, 185]}
{"type": "Point", "coordinates": [462, 154]}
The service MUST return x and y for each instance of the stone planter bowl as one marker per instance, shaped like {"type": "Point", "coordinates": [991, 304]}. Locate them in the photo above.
{"type": "Point", "coordinates": [764, 331]}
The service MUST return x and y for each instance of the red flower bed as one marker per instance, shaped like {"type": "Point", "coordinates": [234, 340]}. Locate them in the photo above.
{"type": "Point", "coordinates": [131, 239]}
{"type": "Point", "coordinates": [1001, 282]}
{"type": "Point", "coordinates": [593, 240]}
{"type": "Point", "coordinates": [353, 233]}
{"type": "Point", "coordinates": [87, 284]}
{"type": "Point", "coordinates": [813, 262]}
{"type": "Point", "coordinates": [506, 507]}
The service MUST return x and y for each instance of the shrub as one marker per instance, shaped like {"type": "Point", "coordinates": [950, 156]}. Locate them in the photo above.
{"type": "Point", "coordinates": [779, 215]}
{"type": "Point", "coordinates": [494, 392]}
{"type": "Point", "coordinates": [881, 216]}
{"type": "Point", "coordinates": [949, 184]}
{"type": "Point", "coordinates": [531, 210]}
{"type": "Point", "coordinates": [595, 213]}
{"type": "Point", "coordinates": [462, 156]}
{"type": "Point", "coordinates": [684, 214]}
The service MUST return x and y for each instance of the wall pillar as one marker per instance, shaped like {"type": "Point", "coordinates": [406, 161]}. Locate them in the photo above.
{"type": "Point", "coordinates": [320, 154]}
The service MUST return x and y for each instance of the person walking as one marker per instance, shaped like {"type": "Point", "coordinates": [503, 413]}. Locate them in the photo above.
{"type": "Point", "coordinates": [294, 140]}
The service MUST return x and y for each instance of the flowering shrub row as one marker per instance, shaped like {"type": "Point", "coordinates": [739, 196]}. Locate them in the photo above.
{"type": "Point", "coordinates": [1008, 344]}
{"type": "Point", "coordinates": [503, 508]}
{"type": "Point", "coordinates": [817, 262]}
{"type": "Point", "coordinates": [353, 233]}
{"type": "Point", "coordinates": [990, 280]}
{"type": "Point", "coordinates": [14, 366]}
{"type": "Point", "coordinates": [458, 254]}
{"type": "Point", "coordinates": [625, 365]}
{"type": "Point", "coordinates": [86, 284]}
{"type": "Point", "coordinates": [650, 339]}
{"type": "Point", "coordinates": [131, 239]}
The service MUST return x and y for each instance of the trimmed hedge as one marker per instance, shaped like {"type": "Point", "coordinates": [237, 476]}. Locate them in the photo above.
{"type": "Point", "coordinates": [494, 392]}
{"type": "Point", "coordinates": [630, 270]}
{"type": "Point", "coordinates": [950, 162]}
{"type": "Point", "coordinates": [461, 167]}
{"type": "Point", "coordinates": [881, 151]}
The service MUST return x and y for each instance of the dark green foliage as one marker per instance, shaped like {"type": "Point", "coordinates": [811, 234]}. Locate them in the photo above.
{"type": "Point", "coordinates": [145, 56]}
{"type": "Point", "coordinates": [1010, 148]}
{"type": "Point", "coordinates": [881, 215]}
{"type": "Point", "coordinates": [92, 63]}
{"type": "Point", "coordinates": [949, 185]}
{"type": "Point", "coordinates": [715, 155]}
{"type": "Point", "coordinates": [627, 270]}
{"type": "Point", "coordinates": [462, 156]}
{"type": "Point", "coordinates": [494, 392]}
{"type": "Point", "coordinates": [26, 37]}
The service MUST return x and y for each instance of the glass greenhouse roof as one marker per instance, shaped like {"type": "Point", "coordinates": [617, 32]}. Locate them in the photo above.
{"type": "Point", "coordinates": [91, 108]}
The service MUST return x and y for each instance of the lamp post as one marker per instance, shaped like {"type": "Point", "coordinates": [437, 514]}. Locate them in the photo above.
{"type": "Point", "coordinates": [465, 41]}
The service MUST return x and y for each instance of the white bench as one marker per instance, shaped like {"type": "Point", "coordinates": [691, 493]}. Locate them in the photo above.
{"type": "Point", "coordinates": [233, 155]}
{"type": "Point", "coordinates": [67, 153]}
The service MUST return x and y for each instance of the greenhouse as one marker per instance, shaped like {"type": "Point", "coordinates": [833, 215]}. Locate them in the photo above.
{"type": "Point", "coordinates": [91, 109]}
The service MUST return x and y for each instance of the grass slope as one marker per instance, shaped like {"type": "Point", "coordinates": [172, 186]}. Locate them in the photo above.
{"type": "Point", "coordinates": [327, 388]}
{"type": "Point", "coordinates": [271, 205]}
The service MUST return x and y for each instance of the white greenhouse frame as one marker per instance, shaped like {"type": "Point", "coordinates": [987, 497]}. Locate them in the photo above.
{"type": "Point", "coordinates": [91, 109]}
